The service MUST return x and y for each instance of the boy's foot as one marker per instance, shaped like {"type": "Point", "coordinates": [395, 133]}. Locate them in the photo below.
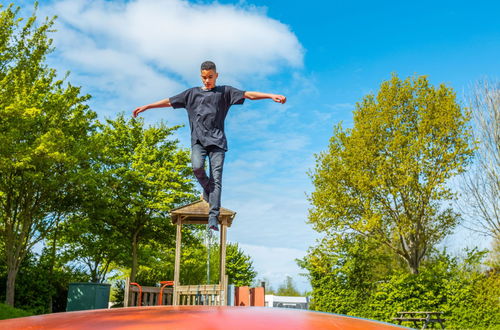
{"type": "Point", "coordinates": [213, 224]}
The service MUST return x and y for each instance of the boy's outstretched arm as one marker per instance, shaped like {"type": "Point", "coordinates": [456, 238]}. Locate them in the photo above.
{"type": "Point", "coordinates": [259, 96]}
{"type": "Point", "coordinates": [160, 104]}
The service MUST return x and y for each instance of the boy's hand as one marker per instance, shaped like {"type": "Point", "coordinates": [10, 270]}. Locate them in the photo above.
{"type": "Point", "coordinates": [138, 110]}
{"type": "Point", "coordinates": [279, 99]}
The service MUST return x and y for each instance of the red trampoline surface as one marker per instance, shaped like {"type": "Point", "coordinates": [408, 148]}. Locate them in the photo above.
{"type": "Point", "coordinates": [193, 317]}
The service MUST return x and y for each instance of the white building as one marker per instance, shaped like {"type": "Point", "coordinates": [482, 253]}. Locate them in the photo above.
{"type": "Point", "coordinates": [286, 302]}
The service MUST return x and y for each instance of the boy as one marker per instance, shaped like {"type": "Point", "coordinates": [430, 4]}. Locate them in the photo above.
{"type": "Point", "coordinates": [207, 108]}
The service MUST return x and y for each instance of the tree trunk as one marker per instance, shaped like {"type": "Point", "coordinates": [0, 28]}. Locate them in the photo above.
{"type": "Point", "coordinates": [414, 263]}
{"type": "Point", "coordinates": [50, 300]}
{"type": "Point", "coordinates": [11, 285]}
{"type": "Point", "coordinates": [14, 255]}
{"type": "Point", "coordinates": [94, 276]}
{"type": "Point", "coordinates": [133, 270]}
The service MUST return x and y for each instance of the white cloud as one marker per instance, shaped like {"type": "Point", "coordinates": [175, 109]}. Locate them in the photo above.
{"type": "Point", "coordinates": [142, 50]}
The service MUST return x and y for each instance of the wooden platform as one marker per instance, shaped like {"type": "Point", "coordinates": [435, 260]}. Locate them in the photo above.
{"type": "Point", "coordinates": [197, 213]}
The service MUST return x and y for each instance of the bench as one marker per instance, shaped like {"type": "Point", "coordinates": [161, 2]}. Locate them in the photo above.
{"type": "Point", "coordinates": [426, 318]}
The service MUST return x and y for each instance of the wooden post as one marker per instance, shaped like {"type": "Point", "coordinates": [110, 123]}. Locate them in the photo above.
{"type": "Point", "coordinates": [228, 291]}
{"type": "Point", "coordinates": [177, 266]}
{"type": "Point", "coordinates": [222, 276]}
{"type": "Point", "coordinates": [126, 295]}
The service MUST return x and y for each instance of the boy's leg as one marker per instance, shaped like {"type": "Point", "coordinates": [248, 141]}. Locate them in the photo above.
{"type": "Point", "coordinates": [198, 155]}
{"type": "Point", "coordinates": [216, 156]}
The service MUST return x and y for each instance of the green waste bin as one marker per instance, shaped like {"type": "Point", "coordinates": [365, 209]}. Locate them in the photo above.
{"type": "Point", "coordinates": [82, 296]}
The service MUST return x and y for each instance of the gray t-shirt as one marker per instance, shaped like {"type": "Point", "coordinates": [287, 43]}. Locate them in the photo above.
{"type": "Point", "coordinates": [207, 110]}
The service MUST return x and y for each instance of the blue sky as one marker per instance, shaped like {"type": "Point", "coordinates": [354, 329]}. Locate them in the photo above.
{"type": "Point", "coordinates": [323, 55]}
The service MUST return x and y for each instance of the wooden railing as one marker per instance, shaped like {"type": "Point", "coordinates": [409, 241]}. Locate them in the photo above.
{"type": "Point", "coordinates": [186, 295]}
{"type": "Point", "coordinates": [200, 295]}
{"type": "Point", "coordinates": [149, 297]}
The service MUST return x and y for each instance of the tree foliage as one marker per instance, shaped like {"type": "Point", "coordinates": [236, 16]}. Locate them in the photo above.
{"type": "Point", "coordinates": [44, 125]}
{"type": "Point", "coordinates": [139, 174]}
{"type": "Point", "coordinates": [239, 266]}
{"type": "Point", "coordinates": [149, 175]}
{"type": "Point", "coordinates": [343, 271]}
{"type": "Point", "coordinates": [42, 287]}
{"type": "Point", "coordinates": [90, 242]}
{"type": "Point", "coordinates": [287, 288]}
{"type": "Point", "coordinates": [382, 201]}
{"type": "Point", "coordinates": [95, 195]}
{"type": "Point", "coordinates": [386, 178]}
{"type": "Point", "coordinates": [355, 277]}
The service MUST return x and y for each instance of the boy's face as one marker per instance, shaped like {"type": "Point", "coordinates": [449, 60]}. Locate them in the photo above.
{"type": "Point", "coordinates": [209, 77]}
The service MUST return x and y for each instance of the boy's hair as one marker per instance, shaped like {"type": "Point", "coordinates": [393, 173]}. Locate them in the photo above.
{"type": "Point", "coordinates": [208, 65]}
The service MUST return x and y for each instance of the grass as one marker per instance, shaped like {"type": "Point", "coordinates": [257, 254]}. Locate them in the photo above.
{"type": "Point", "coordinates": [8, 312]}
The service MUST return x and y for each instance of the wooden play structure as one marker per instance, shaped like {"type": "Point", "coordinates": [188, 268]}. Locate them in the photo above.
{"type": "Point", "coordinates": [178, 294]}
{"type": "Point", "coordinates": [197, 213]}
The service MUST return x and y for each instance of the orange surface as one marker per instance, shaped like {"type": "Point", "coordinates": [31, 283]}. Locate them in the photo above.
{"type": "Point", "coordinates": [193, 317]}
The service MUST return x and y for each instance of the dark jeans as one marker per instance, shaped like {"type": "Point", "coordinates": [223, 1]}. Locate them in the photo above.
{"type": "Point", "coordinates": [212, 185]}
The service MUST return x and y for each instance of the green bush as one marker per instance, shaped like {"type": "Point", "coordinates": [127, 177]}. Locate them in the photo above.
{"type": "Point", "coordinates": [8, 312]}
{"type": "Point", "coordinates": [466, 292]}
{"type": "Point", "coordinates": [473, 301]}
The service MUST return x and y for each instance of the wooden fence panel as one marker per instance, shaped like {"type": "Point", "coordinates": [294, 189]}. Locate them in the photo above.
{"type": "Point", "coordinates": [187, 295]}
{"type": "Point", "coordinates": [150, 296]}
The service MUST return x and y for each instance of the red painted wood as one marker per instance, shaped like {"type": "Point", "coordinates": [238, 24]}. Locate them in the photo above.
{"type": "Point", "coordinates": [242, 296]}
{"type": "Point", "coordinates": [257, 297]}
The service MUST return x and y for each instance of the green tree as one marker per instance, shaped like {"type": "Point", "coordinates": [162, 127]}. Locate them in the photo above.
{"type": "Point", "coordinates": [87, 237]}
{"type": "Point", "coordinates": [344, 271]}
{"type": "Point", "coordinates": [239, 266]}
{"type": "Point", "coordinates": [287, 288]}
{"type": "Point", "coordinates": [387, 177]}
{"type": "Point", "coordinates": [91, 242]}
{"type": "Point", "coordinates": [41, 288]}
{"type": "Point", "coordinates": [146, 175]}
{"type": "Point", "coordinates": [45, 125]}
